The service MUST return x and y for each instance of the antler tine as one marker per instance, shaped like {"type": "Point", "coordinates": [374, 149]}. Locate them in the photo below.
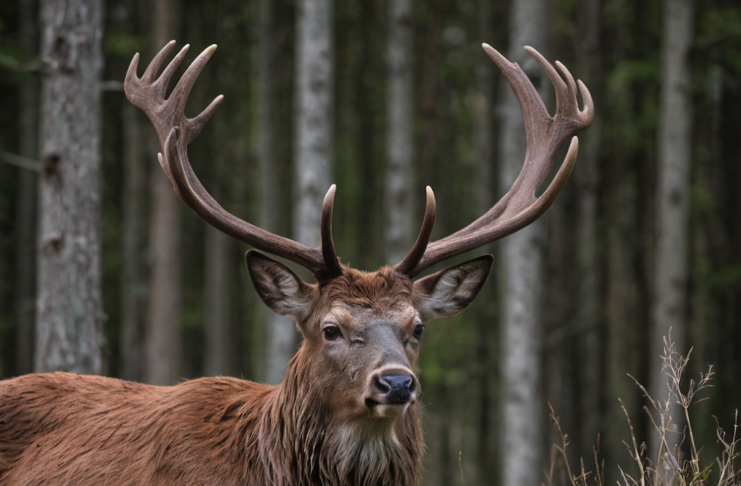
{"type": "Point", "coordinates": [569, 78]}
{"type": "Point", "coordinates": [545, 137]}
{"type": "Point", "coordinates": [418, 250]}
{"type": "Point", "coordinates": [176, 131]}
{"type": "Point", "coordinates": [196, 124]}
{"type": "Point", "coordinates": [182, 90]}
{"type": "Point", "coordinates": [562, 89]}
{"type": "Point", "coordinates": [328, 251]}
{"type": "Point", "coordinates": [166, 75]}
{"type": "Point", "coordinates": [159, 58]}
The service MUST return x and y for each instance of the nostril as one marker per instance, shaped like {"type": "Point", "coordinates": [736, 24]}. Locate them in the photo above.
{"type": "Point", "coordinates": [381, 385]}
{"type": "Point", "coordinates": [397, 382]}
{"type": "Point", "coordinates": [413, 386]}
{"type": "Point", "coordinates": [399, 387]}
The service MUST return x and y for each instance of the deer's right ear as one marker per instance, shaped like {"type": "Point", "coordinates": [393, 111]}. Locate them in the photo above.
{"type": "Point", "coordinates": [281, 289]}
{"type": "Point", "coordinates": [449, 291]}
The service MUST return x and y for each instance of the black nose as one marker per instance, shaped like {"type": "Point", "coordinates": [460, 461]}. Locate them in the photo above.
{"type": "Point", "coordinates": [396, 388]}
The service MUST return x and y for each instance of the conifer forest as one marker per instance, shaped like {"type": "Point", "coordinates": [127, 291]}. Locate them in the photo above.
{"type": "Point", "coordinates": [605, 346]}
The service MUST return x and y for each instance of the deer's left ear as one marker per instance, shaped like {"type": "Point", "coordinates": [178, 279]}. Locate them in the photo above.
{"type": "Point", "coordinates": [450, 291]}
{"type": "Point", "coordinates": [278, 287]}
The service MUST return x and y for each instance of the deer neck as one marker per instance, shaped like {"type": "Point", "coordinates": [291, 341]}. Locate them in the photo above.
{"type": "Point", "coordinates": [315, 447]}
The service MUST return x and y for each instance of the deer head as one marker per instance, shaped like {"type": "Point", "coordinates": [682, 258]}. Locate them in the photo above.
{"type": "Point", "coordinates": [362, 330]}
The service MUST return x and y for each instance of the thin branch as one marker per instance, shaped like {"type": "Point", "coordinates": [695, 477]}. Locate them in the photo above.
{"type": "Point", "coordinates": [111, 85]}
{"type": "Point", "coordinates": [20, 161]}
{"type": "Point", "coordinates": [9, 62]}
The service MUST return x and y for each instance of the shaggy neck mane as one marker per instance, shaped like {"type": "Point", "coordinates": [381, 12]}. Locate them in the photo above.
{"type": "Point", "coordinates": [298, 442]}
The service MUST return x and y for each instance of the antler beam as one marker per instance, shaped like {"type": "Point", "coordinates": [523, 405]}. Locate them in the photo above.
{"type": "Point", "coordinates": [176, 131]}
{"type": "Point", "coordinates": [545, 137]}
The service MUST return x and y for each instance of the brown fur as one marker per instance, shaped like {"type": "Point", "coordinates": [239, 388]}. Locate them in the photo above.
{"type": "Point", "coordinates": [62, 428]}
{"type": "Point", "coordinates": [314, 428]}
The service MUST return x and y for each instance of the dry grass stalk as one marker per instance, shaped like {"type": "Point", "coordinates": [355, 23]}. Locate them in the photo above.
{"type": "Point", "coordinates": [670, 469]}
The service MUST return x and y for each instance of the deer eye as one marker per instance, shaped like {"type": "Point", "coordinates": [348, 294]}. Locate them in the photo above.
{"type": "Point", "coordinates": [418, 330]}
{"type": "Point", "coordinates": [331, 333]}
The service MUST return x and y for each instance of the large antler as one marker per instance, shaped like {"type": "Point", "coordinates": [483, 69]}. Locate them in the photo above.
{"type": "Point", "coordinates": [545, 137]}
{"type": "Point", "coordinates": [176, 131]}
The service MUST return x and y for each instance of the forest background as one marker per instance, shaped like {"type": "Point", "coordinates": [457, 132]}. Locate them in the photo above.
{"type": "Point", "coordinates": [409, 100]}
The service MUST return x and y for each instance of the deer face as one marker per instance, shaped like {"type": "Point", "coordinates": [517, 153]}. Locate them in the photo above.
{"type": "Point", "coordinates": [362, 331]}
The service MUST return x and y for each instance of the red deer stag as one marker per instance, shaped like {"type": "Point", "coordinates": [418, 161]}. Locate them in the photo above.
{"type": "Point", "coordinates": [347, 411]}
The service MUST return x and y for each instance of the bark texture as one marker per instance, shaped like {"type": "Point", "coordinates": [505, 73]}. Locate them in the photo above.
{"type": "Point", "coordinates": [484, 139]}
{"type": "Point", "coordinates": [134, 286]}
{"type": "Point", "coordinates": [313, 116]}
{"type": "Point", "coordinates": [399, 233]}
{"type": "Point", "coordinates": [313, 128]}
{"type": "Point", "coordinates": [280, 330]}
{"type": "Point", "coordinates": [25, 255]}
{"type": "Point", "coordinates": [522, 257]}
{"type": "Point", "coordinates": [69, 314]}
{"type": "Point", "coordinates": [672, 199]}
{"type": "Point", "coordinates": [219, 264]}
{"type": "Point", "coordinates": [163, 339]}
{"type": "Point", "coordinates": [590, 319]}
{"type": "Point", "coordinates": [220, 349]}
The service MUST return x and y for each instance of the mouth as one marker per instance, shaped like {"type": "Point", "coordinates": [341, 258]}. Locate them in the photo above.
{"type": "Point", "coordinates": [386, 410]}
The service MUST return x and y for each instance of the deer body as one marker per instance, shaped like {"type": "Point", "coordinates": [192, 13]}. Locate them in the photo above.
{"type": "Point", "coordinates": [62, 428]}
{"type": "Point", "coordinates": [347, 412]}
{"type": "Point", "coordinates": [90, 430]}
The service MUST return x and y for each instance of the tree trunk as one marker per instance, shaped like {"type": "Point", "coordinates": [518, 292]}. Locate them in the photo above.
{"type": "Point", "coordinates": [314, 90]}
{"type": "Point", "coordinates": [669, 309]}
{"type": "Point", "coordinates": [483, 124]}
{"type": "Point", "coordinates": [399, 132]}
{"type": "Point", "coordinates": [313, 116]}
{"type": "Point", "coordinates": [163, 339]}
{"type": "Point", "coordinates": [69, 307]}
{"type": "Point", "coordinates": [220, 349]}
{"type": "Point", "coordinates": [523, 427]}
{"type": "Point", "coordinates": [280, 330]}
{"type": "Point", "coordinates": [25, 256]}
{"type": "Point", "coordinates": [430, 96]}
{"type": "Point", "coordinates": [487, 431]}
{"type": "Point", "coordinates": [587, 178]}
{"type": "Point", "coordinates": [219, 265]}
{"type": "Point", "coordinates": [134, 286]}
{"type": "Point", "coordinates": [624, 304]}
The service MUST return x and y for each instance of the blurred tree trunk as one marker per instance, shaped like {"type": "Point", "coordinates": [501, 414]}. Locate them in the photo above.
{"type": "Point", "coordinates": [484, 138]}
{"type": "Point", "coordinates": [69, 306]}
{"type": "Point", "coordinates": [625, 301]}
{"type": "Point", "coordinates": [626, 294]}
{"type": "Point", "coordinates": [313, 116]}
{"type": "Point", "coordinates": [523, 426]}
{"type": "Point", "coordinates": [399, 132]}
{"type": "Point", "coordinates": [313, 110]}
{"type": "Point", "coordinates": [219, 265]}
{"type": "Point", "coordinates": [25, 256]}
{"type": "Point", "coordinates": [134, 285]}
{"type": "Point", "coordinates": [163, 339]}
{"type": "Point", "coordinates": [220, 250]}
{"type": "Point", "coordinates": [430, 98]}
{"type": "Point", "coordinates": [589, 60]}
{"type": "Point", "coordinates": [280, 330]}
{"type": "Point", "coordinates": [133, 297]}
{"type": "Point", "coordinates": [728, 341]}
{"type": "Point", "coordinates": [669, 309]}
